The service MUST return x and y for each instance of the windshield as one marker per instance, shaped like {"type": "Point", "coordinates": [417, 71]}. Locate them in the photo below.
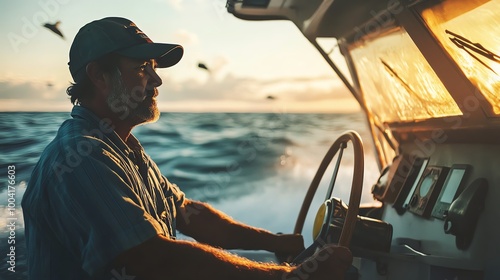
{"type": "Point", "coordinates": [397, 82]}
{"type": "Point", "coordinates": [471, 35]}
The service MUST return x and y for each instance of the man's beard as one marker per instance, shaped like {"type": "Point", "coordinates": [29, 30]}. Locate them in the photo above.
{"type": "Point", "coordinates": [132, 106]}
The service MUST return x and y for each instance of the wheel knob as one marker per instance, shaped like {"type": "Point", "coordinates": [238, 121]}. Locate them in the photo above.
{"type": "Point", "coordinates": [448, 226]}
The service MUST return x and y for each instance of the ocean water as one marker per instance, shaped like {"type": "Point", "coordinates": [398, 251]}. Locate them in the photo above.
{"type": "Point", "coordinates": [254, 167]}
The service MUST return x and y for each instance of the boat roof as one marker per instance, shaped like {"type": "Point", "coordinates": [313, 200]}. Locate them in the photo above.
{"type": "Point", "coordinates": [328, 18]}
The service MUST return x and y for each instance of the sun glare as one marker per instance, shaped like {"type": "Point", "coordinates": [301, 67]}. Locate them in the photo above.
{"type": "Point", "coordinates": [471, 35]}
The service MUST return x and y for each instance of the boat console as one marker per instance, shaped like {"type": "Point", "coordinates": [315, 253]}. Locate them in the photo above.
{"type": "Point", "coordinates": [427, 76]}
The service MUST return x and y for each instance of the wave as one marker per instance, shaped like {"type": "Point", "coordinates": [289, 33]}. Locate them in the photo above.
{"type": "Point", "coordinates": [255, 167]}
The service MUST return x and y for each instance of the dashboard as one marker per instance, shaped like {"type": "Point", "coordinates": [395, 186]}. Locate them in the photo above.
{"type": "Point", "coordinates": [435, 193]}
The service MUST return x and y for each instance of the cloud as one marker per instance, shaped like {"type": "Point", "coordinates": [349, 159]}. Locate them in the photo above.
{"type": "Point", "coordinates": [32, 96]}
{"type": "Point", "coordinates": [222, 94]}
{"type": "Point", "coordinates": [229, 87]}
{"type": "Point", "coordinates": [232, 93]}
{"type": "Point", "coordinates": [250, 89]}
{"type": "Point", "coordinates": [302, 79]}
{"type": "Point", "coordinates": [185, 37]}
{"type": "Point", "coordinates": [31, 90]}
{"type": "Point", "coordinates": [34, 105]}
{"type": "Point", "coordinates": [177, 4]}
{"type": "Point", "coordinates": [217, 63]}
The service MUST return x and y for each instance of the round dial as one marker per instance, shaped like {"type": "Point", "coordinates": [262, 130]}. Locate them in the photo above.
{"type": "Point", "coordinates": [427, 184]}
{"type": "Point", "coordinates": [320, 220]}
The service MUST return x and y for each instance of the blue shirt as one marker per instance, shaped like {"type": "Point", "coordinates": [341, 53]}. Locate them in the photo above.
{"type": "Point", "coordinates": [91, 197]}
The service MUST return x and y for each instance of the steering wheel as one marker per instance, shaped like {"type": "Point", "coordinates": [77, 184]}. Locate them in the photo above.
{"type": "Point", "coordinates": [354, 199]}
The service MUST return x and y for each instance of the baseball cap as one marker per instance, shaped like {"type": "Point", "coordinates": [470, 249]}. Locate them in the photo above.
{"type": "Point", "coordinates": [121, 36]}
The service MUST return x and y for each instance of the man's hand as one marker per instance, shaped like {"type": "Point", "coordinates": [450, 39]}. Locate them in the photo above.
{"type": "Point", "coordinates": [329, 263]}
{"type": "Point", "coordinates": [288, 246]}
{"type": "Point", "coordinates": [180, 259]}
{"type": "Point", "coordinates": [211, 226]}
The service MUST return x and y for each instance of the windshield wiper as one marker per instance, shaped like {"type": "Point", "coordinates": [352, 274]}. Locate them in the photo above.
{"type": "Point", "coordinates": [394, 74]}
{"type": "Point", "coordinates": [468, 46]}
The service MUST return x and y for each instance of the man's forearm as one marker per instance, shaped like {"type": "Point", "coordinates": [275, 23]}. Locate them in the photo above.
{"type": "Point", "coordinates": [208, 225]}
{"type": "Point", "coordinates": [171, 259]}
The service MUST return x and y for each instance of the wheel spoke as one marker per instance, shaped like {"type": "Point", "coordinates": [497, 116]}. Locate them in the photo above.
{"type": "Point", "coordinates": [343, 145]}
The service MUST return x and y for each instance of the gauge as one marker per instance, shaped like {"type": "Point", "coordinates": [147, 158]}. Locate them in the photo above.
{"type": "Point", "coordinates": [427, 183]}
{"type": "Point", "coordinates": [451, 189]}
{"type": "Point", "coordinates": [427, 190]}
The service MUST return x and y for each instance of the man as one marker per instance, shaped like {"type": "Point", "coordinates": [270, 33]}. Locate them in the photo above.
{"type": "Point", "coordinates": [97, 207]}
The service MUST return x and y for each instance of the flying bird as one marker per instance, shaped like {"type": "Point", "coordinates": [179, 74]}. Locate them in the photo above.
{"type": "Point", "coordinates": [270, 97]}
{"type": "Point", "coordinates": [203, 66]}
{"type": "Point", "coordinates": [54, 28]}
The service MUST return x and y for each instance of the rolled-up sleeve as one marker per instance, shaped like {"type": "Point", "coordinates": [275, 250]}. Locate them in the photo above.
{"type": "Point", "coordinates": [175, 191]}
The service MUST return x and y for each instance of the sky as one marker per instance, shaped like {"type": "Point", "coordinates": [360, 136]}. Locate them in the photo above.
{"type": "Point", "coordinates": [248, 60]}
